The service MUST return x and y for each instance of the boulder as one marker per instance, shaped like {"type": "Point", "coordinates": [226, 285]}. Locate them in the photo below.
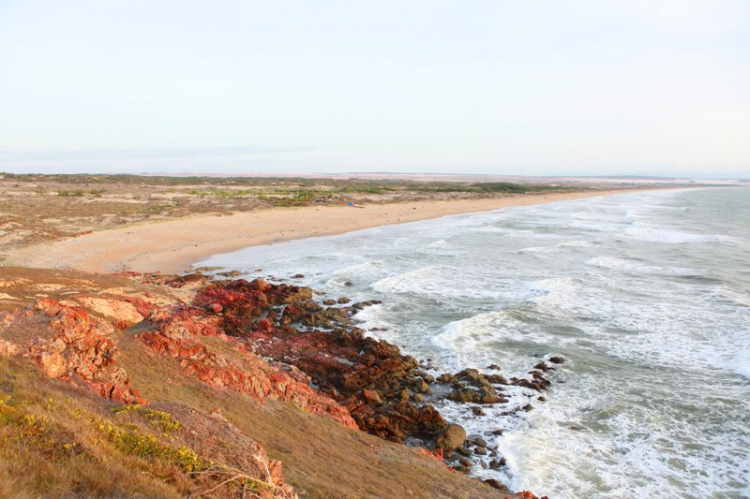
{"type": "Point", "coordinates": [421, 387]}
{"type": "Point", "coordinates": [452, 438]}
{"type": "Point", "coordinates": [496, 485]}
{"type": "Point", "coordinates": [372, 397]}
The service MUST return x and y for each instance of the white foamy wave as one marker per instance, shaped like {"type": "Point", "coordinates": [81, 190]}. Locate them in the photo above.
{"type": "Point", "coordinates": [741, 363]}
{"type": "Point", "coordinates": [735, 297]}
{"type": "Point", "coordinates": [439, 247]}
{"type": "Point", "coordinates": [504, 231]}
{"type": "Point", "coordinates": [609, 262]}
{"type": "Point", "coordinates": [470, 338]}
{"type": "Point", "coordinates": [622, 449]}
{"type": "Point", "coordinates": [556, 247]}
{"type": "Point", "coordinates": [364, 270]}
{"type": "Point", "coordinates": [651, 234]}
{"type": "Point", "coordinates": [463, 335]}
{"type": "Point", "coordinates": [557, 295]}
{"type": "Point", "coordinates": [372, 317]}
{"type": "Point", "coordinates": [409, 282]}
{"type": "Point", "coordinates": [665, 207]}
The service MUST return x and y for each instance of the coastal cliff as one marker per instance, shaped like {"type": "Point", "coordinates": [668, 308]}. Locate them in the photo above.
{"type": "Point", "coordinates": [148, 384]}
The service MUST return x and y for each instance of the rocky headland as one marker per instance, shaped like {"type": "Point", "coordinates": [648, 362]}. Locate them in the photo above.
{"type": "Point", "coordinates": [188, 385]}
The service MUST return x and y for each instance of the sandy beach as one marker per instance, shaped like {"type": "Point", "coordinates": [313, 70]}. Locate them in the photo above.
{"type": "Point", "coordinates": [173, 246]}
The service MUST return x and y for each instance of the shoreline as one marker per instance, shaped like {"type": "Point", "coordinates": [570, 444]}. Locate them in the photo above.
{"type": "Point", "coordinates": [172, 246]}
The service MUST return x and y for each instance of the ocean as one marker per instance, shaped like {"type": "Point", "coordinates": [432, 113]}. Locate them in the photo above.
{"type": "Point", "coordinates": [646, 295]}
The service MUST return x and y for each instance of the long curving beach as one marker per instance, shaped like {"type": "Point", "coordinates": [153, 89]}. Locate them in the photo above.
{"type": "Point", "coordinates": [172, 246]}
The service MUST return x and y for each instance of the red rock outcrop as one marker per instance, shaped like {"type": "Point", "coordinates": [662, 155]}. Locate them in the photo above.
{"type": "Point", "coordinates": [370, 378]}
{"type": "Point", "coordinates": [178, 334]}
{"type": "Point", "coordinates": [67, 345]}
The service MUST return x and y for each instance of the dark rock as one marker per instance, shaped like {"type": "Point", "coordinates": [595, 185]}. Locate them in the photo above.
{"type": "Point", "coordinates": [556, 360]}
{"type": "Point", "coordinates": [348, 284]}
{"type": "Point", "coordinates": [298, 276]}
{"type": "Point", "coordinates": [497, 379]}
{"type": "Point", "coordinates": [494, 367]}
{"type": "Point", "coordinates": [452, 438]}
{"type": "Point", "coordinates": [464, 451]}
{"type": "Point", "coordinates": [344, 300]}
{"type": "Point", "coordinates": [496, 484]}
{"type": "Point", "coordinates": [482, 451]}
{"type": "Point", "coordinates": [469, 374]}
{"type": "Point", "coordinates": [446, 378]}
{"type": "Point", "coordinates": [329, 302]}
{"type": "Point", "coordinates": [498, 432]}
{"type": "Point", "coordinates": [372, 397]}
{"type": "Point", "coordinates": [421, 387]}
{"type": "Point", "coordinates": [497, 463]}
{"type": "Point", "coordinates": [404, 394]}
{"type": "Point", "coordinates": [477, 411]}
{"type": "Point", "coordinates": [527, 407]}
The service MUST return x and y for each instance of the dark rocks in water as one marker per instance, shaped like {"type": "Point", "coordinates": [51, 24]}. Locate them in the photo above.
{"type": "Point", "coordinates": [542, 367]}
{"type": "Point", "coordinates": [465, 395]}
{"type": "Point", "coordinates": [465, 462]}
{"type": "Point", "coordinates": [496, 379]}
{"type": "Point", "coordinates": [329, 302]}
{"type": "Point", "coordinates": [497, 433]}
{"type": "Point", "coordinates": [468, 375]}
{"type": "Point", "coordinates": [348, 284]}
{"type": "Point", "coordinates": [527, 407]}
{"type": "Point", "coordinates": [446, 378]}
{"type": "Point", "coordinates": [541, 399]}
{"type": "Point", "coordinates": [232, 273]}
{"type": "Point", "coordinates": [461, 468]}
{"type": "Point", "coordinates": [496, 485]}
{"type": "Point", "coordinates": [477, 411]}
{"type": "Point", "coordinates": [482, 451]}
{"type": "Point", "coordinates": [298, 276]}
{"type": "Point", "coordinates": [538, 383]}
{"type": "Point", "coordinates": [452, 438]}
{"type": "Point", "coordinates": [464, 451]}
{"type": "Point", "coordinates": [556, 360]}
{"type": "Point", "coordinates": [344, 300]}
{"type": "Point", "coordinates": [479, 442]}
{"type": "Point", "coordinates": [421, 386]}
{"type": "Point", "coordinates": [497, 463]}
{"type": "Point", "coordinates": [488, 395]}
{"type": "Point", "coordinates": [494, 367]}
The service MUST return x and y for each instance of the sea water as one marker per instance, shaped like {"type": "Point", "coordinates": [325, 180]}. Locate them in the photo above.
{"type": "Point", "coordinates": [646, 295]}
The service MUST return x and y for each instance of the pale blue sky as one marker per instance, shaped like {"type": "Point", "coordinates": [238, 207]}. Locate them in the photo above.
{"type": "Point", "coordinates": [506, 87]}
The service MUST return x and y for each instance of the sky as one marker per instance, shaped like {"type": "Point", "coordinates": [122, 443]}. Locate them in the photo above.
{"type": "Point", "coordinates": [501, 87]}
